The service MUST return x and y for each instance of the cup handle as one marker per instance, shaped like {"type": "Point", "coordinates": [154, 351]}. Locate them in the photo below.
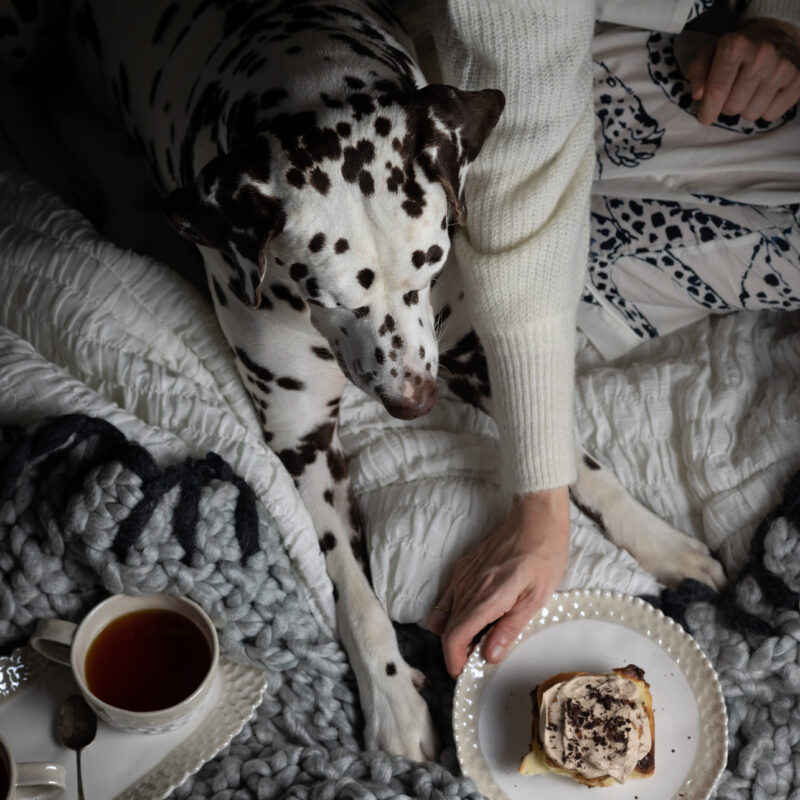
{"type": "Point", "coordinates": [40, 781]}
{"type": "Point", "coordinates": [53, 639]}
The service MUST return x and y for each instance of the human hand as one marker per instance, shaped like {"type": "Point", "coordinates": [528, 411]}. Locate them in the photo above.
{"type": "Point", "coordinates": [754, 72]}
{"type": "Point", "coordinates": [506, 579]}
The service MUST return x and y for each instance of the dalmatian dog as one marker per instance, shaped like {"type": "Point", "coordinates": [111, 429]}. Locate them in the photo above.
{"type": "Point", "coordinates": [299, 146]}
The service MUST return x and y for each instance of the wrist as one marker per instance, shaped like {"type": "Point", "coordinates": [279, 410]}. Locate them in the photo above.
{"type": "Point", "coordinates": [534, 507]}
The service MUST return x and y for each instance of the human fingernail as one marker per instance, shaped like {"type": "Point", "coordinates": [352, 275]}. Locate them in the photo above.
{"type": "Point", "coordinates": [496, 651]}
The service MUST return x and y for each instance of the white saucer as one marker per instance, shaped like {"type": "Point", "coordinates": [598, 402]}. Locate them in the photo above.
{"type": "Point", "coordinates": [118, 765]}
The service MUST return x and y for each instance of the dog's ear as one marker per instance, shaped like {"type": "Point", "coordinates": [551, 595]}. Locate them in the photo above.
{"type": "Point", "coordinates": [229, 208]}
{"type": "Point", "coordinates": [450, 127]}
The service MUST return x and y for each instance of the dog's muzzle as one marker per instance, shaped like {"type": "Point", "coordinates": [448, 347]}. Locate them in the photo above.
{"type": "Point", "coordinates": [419, 403]}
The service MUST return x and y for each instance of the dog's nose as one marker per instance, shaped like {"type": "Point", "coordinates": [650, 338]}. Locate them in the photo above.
{"type": "Point", "coordinates": [417, 404]}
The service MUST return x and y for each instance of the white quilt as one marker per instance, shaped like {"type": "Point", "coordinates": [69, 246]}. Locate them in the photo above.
{"type": "Point", "coordinates": [703, 426]}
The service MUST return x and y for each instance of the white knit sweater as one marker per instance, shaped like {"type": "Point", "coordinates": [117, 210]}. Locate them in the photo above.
{"type": "Point", "coordinates": [524, 249]}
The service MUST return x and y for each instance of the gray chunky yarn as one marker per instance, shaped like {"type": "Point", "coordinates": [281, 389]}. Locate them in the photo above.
{"type": "Point", "coordinates": [752, 636]}
{"type": "Point", "coordinates": [85, 513]}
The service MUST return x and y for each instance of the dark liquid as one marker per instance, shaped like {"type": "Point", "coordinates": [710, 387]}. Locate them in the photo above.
{"type": "Point", "coordinates": [5, 778]}
{"type": "Point", "coordinates": [147, 660]}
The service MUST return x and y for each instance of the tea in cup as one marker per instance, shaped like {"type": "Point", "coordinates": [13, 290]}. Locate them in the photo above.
{"type": "Point", "coordinates": [144, 664]}
{"type": "Point", "coordinates": [29, 780]}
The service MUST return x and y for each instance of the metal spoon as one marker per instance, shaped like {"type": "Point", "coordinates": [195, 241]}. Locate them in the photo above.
{"type": "Point", "coordinates": [77, 726]}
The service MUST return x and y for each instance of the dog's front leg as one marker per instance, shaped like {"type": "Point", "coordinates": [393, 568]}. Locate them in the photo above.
{"type": "Point", "coordinates": [296, 384]}
{"type": "Point", "coordinates": [662, 550]}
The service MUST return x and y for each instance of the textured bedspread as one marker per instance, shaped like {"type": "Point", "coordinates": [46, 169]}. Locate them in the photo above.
{"type": "Point", "coordinates": [703, 426]}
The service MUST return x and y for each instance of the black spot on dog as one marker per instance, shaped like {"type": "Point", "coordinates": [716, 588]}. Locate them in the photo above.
{"type": "Point", "coordinates": [434, 254]}
{"type": "Point", "coordinates": [366, 277]}
{"type": "Point", "coordinates": [291, 384]}
{"type": "Point", "coordinates": [383, 127]}
{"type": "Point", "coordinates": [411, 298]}
{"type": "Point", "coordinates": [323, 352]}
{"type": "Point", "coordinates": [329, 101]}
{"type": "Point", "coordinates": [395, 179]}
{"type": "Point", "coordinates": [380, 357]}
{"type": "Point", "coordinates": [590, 462]}
{"type": "Point", "coordinates": [343, 129]}
{"type": "Point", "coordinates": [260, 372]}
{"type": "Point", "coordinates": [312, 287]}
{"type": "Point", "coordinates": [413, 208]}
{"type": "Point", "coordinates": [317, 242]}
{"type": "Point", "coordinates": [317, 441]}
{"type": "Point", "coordinates": [327, 542]}
{"type": "Point", "coordinates": [397, 341]}
{"type": "Point", "coordinates": [294, 50]}
{"type": "Point", "coordinates": [387, 326]}
{"type": "Point", "coordinates": [320, 181]}
{"type": "Point", "coordinates": [365, 183]}
{"type": "Point", "coordinates": [356, 158]}
{"type": "Point", "coordinates": [337, 465]}
{"type": "Point", "coordinates": [294, 177]}
{"type": "Point", "coordinates": [282, 293]}
{"type": "Point", "coordinates": [298, 271]}
{"type": "Point", "coordinates": [222, 300]}
{"type": "Point", "coordinates": [418, 258]}
{"type": "Point", "coordinates": [391, 669]}
{"type": "Point", "coordinates": [353, 82]}
{"type": "Point", "coordinates": [327, 496]}
{"type": "Point", "coordinates": [301, 158]}
{"type": "Point", "coordinates": [359, 312]}
{"type": "Point", "coordinates": [341, 246]}
{"type": "Point", "coordinates": [361, 103]}
{"type": "Point", "coordinates": [322, 143]}
{"type": "Point", "coordinates": [593, 515]}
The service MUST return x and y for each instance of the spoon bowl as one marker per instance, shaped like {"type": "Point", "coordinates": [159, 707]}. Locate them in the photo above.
{"type": "Point", "coordinates": [77, 727]}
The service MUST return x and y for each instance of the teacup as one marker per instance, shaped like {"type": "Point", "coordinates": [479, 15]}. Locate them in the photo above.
{"type": "Point", "coordinates": [144, 664]}
{"type": "Point", "coordinates": [29, 780]}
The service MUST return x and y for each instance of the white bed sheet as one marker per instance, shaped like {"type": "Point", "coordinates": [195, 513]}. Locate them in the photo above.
{"type": "Point", "coordinates": [703, 426]}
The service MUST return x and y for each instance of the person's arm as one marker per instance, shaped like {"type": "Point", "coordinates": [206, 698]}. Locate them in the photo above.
{"type": "Point", "coordinates": [753, 71]}
{"type": "Point", "coordinates": [523, 258]}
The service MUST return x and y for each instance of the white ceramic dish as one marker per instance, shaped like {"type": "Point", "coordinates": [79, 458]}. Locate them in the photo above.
{"type": "Point", "coordinates": [594, 631]}
{"type": "Point", "coordinates": [119, 765]}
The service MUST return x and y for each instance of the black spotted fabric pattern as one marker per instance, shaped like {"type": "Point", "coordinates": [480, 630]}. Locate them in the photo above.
{"type": "Point", "coordinates": [686, 220]}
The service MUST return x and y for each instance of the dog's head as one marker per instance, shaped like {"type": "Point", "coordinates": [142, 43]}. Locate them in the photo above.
{"type": "Point", "coordinates": [349, 209]}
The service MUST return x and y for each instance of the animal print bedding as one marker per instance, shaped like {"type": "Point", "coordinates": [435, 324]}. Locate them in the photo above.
{"type": "Point", "coordinates": [687, 220]}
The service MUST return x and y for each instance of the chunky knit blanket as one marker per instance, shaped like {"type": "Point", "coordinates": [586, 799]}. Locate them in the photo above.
{"type": "Point", "coordinates": [752, 636]}
{"type": "Point", "coordinates": [85, 512]}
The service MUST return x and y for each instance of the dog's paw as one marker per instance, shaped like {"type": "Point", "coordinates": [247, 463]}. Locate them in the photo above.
{"type": "Point", "coordinates": [675, 556]}
{"type": "Point", "coordinates": [397, 718]}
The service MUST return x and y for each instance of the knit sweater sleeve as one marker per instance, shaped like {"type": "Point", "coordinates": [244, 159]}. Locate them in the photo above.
{"type": "Point", "coordinates": [523, 251]}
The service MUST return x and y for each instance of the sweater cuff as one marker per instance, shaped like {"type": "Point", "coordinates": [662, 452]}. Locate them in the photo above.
{"type": "Point", "coordinates": [785, 10]}
{"type": "Point", "coordinates": [532, 374]}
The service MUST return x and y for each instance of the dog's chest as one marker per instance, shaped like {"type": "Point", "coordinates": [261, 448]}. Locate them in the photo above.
{"type": "Point", "coordinates": [192, 80]}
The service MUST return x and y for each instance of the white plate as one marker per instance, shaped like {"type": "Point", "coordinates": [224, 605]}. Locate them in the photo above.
{"type": "Point", "coordinates": [593, 631]}
{"type": "Point", "coordinates": [118, 765]}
